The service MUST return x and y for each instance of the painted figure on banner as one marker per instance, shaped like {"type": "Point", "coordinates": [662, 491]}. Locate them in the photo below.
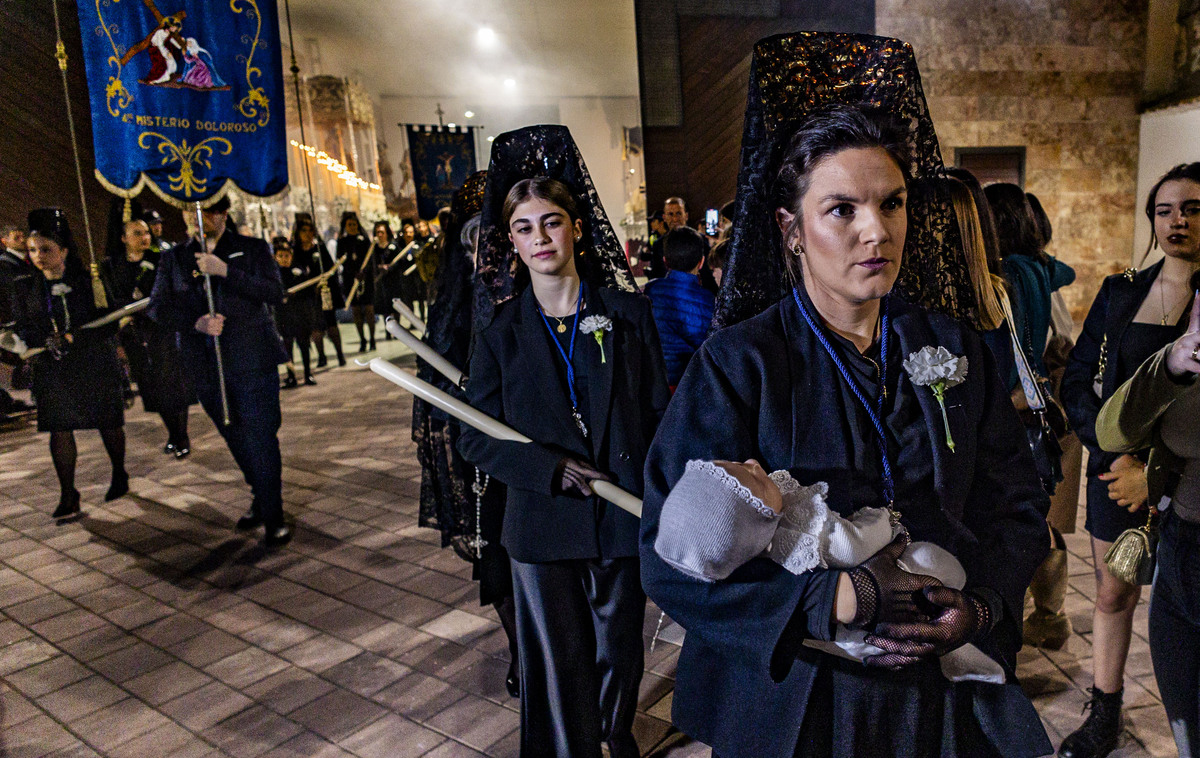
{"type": "Point", "coordinates": [176, 61]}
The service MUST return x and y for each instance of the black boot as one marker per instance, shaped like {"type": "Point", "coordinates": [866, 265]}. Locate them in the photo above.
{"type": "Point", "coordinates": [1099, 734]}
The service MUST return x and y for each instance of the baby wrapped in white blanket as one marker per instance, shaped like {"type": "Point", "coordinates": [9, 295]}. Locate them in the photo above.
{"type": "Point", "coordinates": [711, 523]}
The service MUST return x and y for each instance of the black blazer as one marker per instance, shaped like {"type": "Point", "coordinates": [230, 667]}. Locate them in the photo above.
{"type": "Point", "coordinates": [765, 389]}
{"type": "Point", "coordinates": [11, 267]}
{"type": "Point", "coordinates": [249, 344]}
{"type": "Point", "coordinates": [1112, 312]}
{"type": "Point", "coordinates": [513, 379]}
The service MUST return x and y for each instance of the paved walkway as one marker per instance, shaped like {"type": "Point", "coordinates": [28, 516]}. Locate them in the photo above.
{"type": "Point", "coordinates": [150, 627]}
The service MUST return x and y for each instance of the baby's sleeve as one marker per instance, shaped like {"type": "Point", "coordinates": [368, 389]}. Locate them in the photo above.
{"type": "Point", "coordinates": [810, 535]}
{"type": "Point", "coordinates": [711, 524]}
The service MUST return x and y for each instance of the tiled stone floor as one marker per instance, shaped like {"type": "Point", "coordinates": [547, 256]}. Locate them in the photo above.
{"type": "Point", "coordinates": [150, 627]}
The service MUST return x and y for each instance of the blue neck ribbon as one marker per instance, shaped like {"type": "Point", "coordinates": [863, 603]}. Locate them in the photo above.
{"type": "Point", "coordinates": [567, 356]}
{"type": "Point", "coordinates": [874, 410]}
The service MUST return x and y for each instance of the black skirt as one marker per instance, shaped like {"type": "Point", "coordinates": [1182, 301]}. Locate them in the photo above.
{"type": "Point", "coordinates": [82, 390]}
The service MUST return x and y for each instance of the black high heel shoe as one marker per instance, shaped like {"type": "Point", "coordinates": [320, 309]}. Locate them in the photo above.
{"type": "Point", "coordinates": [68, 505]}
{"type": "Point", "coordinates": [119, 486]}
{"type": "Point", "coordinates": [512, 682]}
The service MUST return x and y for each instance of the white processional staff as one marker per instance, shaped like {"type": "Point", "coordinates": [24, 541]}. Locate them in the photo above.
{"type": "Point", "coordinates": [360, 276]}
{"type": "Point", "coordinates": [490, 426]}
{"type": "Point", "coordinates": [423, 351]}
{"type": "Point", "coordinates": [407, 313]}
{"type": "Point", "coordinates": [316, 279]}
{"type": "Point", "coordinates": [406, 248]}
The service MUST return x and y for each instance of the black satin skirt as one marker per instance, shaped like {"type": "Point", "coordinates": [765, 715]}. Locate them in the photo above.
{"type": "Point", "coordinates": [579, 640]}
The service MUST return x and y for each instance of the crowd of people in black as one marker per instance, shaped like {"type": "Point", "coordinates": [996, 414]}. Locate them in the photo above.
{"type": "Point", "coordinates": [865, 346]}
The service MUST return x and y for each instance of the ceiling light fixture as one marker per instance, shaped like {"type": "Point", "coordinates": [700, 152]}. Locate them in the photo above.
{"type": "Point", "coordinates": [491, 138]}
{"type": "Point", "coordinates": [486, 36]}
{"type": "Point", "coordinates": [510, 83]}
{"type": "Point", "coordinates": [470, 114]}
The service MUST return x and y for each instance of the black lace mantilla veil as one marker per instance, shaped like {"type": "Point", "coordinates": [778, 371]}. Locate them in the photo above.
{"type": "Point", "coordinates": [790, 76]}
{"type": "Point", "coordinates": [550, 151]}
{"type": "Point", "coordinates": [447, 498]}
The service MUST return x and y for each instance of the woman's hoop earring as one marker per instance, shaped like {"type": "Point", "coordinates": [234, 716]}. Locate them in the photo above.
{"type": "Point", "coordinates": [797, 249]}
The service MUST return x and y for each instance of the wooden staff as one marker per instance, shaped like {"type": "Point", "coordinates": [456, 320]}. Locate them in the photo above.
{"type": "Point", "coordinates": [316, 279]}
{"type": "Point", "coordinates": [360, 276]}
{"type": "Point", "coordinates": [490, 426]}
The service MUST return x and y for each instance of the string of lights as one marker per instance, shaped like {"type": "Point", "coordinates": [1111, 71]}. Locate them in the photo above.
{"type": "Point", "coordinates": [336, 167]}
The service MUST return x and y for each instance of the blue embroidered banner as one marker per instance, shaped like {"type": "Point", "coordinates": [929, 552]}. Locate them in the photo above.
{"type": "Point", "coordinates": [186, 96]}
{"type": "Point", "coordinates": [442, 159]}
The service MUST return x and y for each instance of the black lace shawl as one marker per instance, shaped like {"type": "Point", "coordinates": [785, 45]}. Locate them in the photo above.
{"type": "Point", "coordinates": [790, 76]}
{"type": "Point", "coordinates": [534, 151]}
{"type": "Point", "coordinates": [447, 498]}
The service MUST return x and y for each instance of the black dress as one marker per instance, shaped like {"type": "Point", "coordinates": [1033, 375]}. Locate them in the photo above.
{"type": "Point", "coordinates": [82, 389]}
{"type": "Point", "coordinates": [319, 261]}
{"type": "Point", "coordinates": [355, 249]}
{"type": "Point", "coordinates": [152, 350]}
{"type": "Point", "coordinates": [767, 389]}
{"type": "Point", "coordinates": [296, 317]}
{"type": "Point", "coordinates": [1108, 352]}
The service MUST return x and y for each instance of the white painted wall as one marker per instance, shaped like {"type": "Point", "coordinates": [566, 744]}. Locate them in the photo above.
{"type": "Point", "coordinates": [595, 123]}
{"type": "Point", "coordinates": [1168, 138]}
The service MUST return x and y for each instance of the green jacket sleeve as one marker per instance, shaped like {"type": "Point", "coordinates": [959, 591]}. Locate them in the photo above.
{"type": "Point", "coordinates": [1127, 421]}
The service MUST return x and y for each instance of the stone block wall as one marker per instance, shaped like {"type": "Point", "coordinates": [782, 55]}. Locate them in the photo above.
{"type": "Point", "coordinates": [1062, 78]}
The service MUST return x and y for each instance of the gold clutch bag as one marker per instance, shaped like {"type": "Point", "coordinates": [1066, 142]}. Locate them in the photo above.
{"type": "Point", "coordinates": [1131, 557]}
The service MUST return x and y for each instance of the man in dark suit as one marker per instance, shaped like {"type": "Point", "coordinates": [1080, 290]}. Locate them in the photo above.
{"type": "Point", "coordinates": [245, 281]}
{"type": "Point", "coordinates": [14, 262]}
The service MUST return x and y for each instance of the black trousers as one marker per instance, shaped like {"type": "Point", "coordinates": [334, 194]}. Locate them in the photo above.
{"type": "Point", "coordinates": [1175, 628]}
{"type": "Point", "coordinates": [579, 640]}
{"type": "Point", "coordinates": [252, 435]}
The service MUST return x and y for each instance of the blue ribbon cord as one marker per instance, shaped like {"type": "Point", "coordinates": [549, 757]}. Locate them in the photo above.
{"type": "Point", "coordinates": [568, 356]}
{"type": "Point", "coordinates": [875, 412]}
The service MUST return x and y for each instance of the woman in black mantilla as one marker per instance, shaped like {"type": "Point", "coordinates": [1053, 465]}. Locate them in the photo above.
{"type": "Point", "coordinates": [387, 248]}
{"type": "Point", "coordinates": [573, 362]}
{"type": "Point", "coordinates": [458, 499]}
{"type": "Point", "coordinates": [153, 355]}
{"type": "Point", "coordinates": [308, 247]}
{"type": "Point", "coordinates": [77, 381]}
{"type": "Point", "coordinates": [811, 380]}
{"type": "Point", "coordinates": [360, 255]}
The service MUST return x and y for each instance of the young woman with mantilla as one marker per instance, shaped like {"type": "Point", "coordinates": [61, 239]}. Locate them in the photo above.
{"type": "Point", "coordinates": [310, 248]}
{"type": "Point", "coordinates": [1135, 314]}
{"type": "Point", "coordinates": [77, 381]}
{"type": "Point", "coordinates": [816, 385]}
{"type": "Point", "coordinates": [577, 367]}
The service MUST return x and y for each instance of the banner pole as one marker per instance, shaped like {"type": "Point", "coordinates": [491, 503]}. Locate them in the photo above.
{"type": "Point", "coordinates": [212, 311]}
{"type": "Point", "coordinates": [295, 69]}
{"type": "Point", "coordinates": [99, 297]}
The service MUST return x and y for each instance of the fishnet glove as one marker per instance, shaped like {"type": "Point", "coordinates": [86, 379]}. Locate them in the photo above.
{"type": "Point", "coordinates": [956, 618]}
{"type": "Point", "coordinates": [885, 592]}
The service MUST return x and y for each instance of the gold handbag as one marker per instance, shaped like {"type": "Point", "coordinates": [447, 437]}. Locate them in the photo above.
{"type": "Point", "coordinates": [1131, 557]}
